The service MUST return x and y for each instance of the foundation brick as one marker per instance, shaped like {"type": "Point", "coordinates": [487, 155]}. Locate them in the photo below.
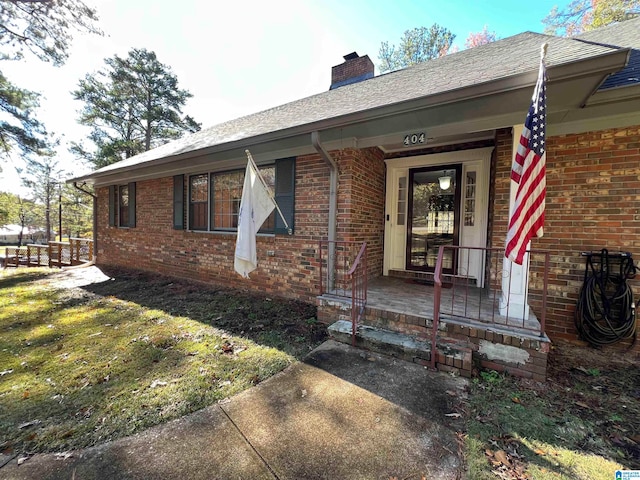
{"type": "Point", "coordinates": [539, 378]}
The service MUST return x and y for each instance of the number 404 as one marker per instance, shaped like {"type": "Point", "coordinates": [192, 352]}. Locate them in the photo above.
{"type": "Point", "coordinates": [414, 139]}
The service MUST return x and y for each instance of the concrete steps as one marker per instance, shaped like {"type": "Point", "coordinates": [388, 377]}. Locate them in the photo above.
{"type": "Point", "coordinates": [453, 355]}
{"type": "Point", "coordinates": [398, 321]}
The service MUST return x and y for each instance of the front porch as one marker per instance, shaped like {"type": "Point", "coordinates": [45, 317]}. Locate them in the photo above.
{"type": "Point", "coordinates": [471, 327]}
{"type": "Point", "coordinates": [411, 297]}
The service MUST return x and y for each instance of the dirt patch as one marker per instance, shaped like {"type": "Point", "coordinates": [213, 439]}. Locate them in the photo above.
{"type": "Point", "coordinates": [601, 386]}
{"type": "Point", "coordinates": [288, 325]}
{"type": "Point", "coordinates": [583, 422]}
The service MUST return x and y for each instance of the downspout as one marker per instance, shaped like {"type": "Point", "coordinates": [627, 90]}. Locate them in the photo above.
{"type": "Point", "coordinates": [333, 200]}
{"type": "Point", "coordinates": [95, 217]}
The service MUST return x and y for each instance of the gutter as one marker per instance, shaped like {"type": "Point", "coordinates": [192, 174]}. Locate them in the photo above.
{"type": "Point", "coordinates": [333, 199]}
{"type": "Point", "coordinates": [95, 217]}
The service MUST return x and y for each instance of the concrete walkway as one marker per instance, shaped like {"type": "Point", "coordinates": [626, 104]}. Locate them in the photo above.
{"type": "Point", "coordinates": [342, 414]}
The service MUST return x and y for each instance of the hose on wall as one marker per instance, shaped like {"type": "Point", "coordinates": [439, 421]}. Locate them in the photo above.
{"type": "Point", "coordinates": [605, 312]}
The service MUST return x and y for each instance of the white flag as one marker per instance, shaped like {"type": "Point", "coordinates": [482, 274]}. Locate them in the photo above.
{"type": "Point", "coordinates": [255, 207]}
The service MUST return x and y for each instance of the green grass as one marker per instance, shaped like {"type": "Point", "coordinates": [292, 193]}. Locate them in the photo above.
{"type": "Point", "coordinates": [83, 366]}
{"type": "Point", "coordinates": [576, 426]}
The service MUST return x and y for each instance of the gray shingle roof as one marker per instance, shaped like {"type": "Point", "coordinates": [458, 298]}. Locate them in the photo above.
{"type": "Point", "coordinates": [624, 34]}
{"type": "Point", "coordinates": [498, 60]}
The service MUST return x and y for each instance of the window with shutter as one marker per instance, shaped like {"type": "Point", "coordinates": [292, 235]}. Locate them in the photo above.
{"type": "Point", "coordinates": [122, 205]}
{"type": "Point", "coordinates": [178, 202]}
{"type": "Point", "coordinates": [214, 199]}
{"type": "Point", "coordinates": [285, 193]}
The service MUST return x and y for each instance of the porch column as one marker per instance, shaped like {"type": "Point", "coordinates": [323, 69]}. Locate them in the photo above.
{"type": "Point", "coordinates": [514, 277]}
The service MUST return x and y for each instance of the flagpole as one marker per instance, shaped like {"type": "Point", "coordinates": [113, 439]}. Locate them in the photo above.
{"type": "Point", "coordinates": [264, 184]}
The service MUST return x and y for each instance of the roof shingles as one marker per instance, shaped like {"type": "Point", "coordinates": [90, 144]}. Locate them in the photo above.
{"type": "Point", "coordinates": [494, 61]}
{"type": "Point", "coordinates": [626, 35]}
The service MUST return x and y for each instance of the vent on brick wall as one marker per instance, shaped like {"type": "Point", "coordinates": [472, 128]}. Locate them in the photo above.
{"type": "Point", "coordinates": [354, 69]}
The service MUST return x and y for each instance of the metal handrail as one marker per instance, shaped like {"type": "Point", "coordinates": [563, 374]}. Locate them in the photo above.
{"type": "Point", "coordinates": [335, 267]}
{"type": "Point", "coordinates": [343, 274]}
{"type": "Point", "coordinates": [362, 253]}
{"type": "Point", "coordinates": [463, 303]}
{"type": "Point", "coordinates": [358, 274]}
{"type": "Point", "coordinates": [437, 295]}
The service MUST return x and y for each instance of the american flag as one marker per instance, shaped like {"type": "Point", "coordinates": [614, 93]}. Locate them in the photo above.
{"type": "Point", "coordinates": [529, 172]}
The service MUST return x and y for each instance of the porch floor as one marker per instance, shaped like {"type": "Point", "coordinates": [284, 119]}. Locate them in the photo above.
{"type": "Point", "coordinates": [461, 304]}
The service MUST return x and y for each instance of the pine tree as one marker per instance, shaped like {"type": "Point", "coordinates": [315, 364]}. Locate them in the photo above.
{"type": "Point", "coordinates": [133, 105]}
{"type": "Point", "coordinates": [44, 29]}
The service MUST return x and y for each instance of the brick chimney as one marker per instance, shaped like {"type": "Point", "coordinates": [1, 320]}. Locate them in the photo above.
{"type": "Point", "coordinates": [354, 69]}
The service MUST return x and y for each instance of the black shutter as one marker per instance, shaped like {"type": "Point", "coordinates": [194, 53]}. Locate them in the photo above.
{"type": "Point", "coordinates": [178, 202]}
{"type": "Point", "coordinates": [132, 204]}
{"type": "Point", "coordinates": [285, 192]}
{"type": "Point", "coordinates": [112, 205]}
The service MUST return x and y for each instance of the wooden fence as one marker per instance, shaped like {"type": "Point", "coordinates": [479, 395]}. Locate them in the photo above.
{"type": "Point", "coordinates": [76, 251]}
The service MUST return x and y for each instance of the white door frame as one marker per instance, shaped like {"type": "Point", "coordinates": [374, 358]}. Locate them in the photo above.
{"type": "Point", "coordinates": [395, 232]}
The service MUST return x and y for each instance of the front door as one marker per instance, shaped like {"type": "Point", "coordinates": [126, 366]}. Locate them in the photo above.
{"type": "Point", "coordinates": [433, 216]}
{"type": "Point", "coordinates": [412, 239]}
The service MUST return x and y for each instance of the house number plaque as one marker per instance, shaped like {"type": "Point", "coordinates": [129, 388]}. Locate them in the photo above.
{"type": "Point", "coordinates": [414, 139]}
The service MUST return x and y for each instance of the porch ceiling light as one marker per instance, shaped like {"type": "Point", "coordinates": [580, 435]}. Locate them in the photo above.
{"type": "Point", "coordinates": [445, 181]}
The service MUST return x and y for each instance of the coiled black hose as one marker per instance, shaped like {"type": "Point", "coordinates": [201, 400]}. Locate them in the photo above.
{"type": "Point", "coordinates": [605, 312]}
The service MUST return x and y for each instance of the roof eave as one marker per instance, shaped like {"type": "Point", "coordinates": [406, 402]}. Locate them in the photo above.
{"type": "Point", "coordinates": [615, 94]}
{"type": "Point", "coordinates": [602, 64]}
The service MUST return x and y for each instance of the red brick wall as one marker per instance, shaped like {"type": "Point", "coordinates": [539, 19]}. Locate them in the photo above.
{"type": "Point", "coordinates": [361, 197]}
{"type": "Point", "coordinates": [292, 271]}
{"type": "Point", "coordinates": [593, 202]}
{"type": "Point", "coordinates": [353, 68]}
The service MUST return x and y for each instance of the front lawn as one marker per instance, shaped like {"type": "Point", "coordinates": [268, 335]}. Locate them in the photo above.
{"type": "Point", "coordinates": [582, 423]}
{"type": "Point", "coordinates": [80, 366]}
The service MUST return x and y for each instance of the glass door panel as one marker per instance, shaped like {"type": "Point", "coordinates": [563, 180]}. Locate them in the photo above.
{"type": "Point", "coordinates": [433, 216]}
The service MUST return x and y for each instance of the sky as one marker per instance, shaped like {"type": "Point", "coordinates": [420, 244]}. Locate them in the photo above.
{"type": "Point", "coordinates": [241, 57]}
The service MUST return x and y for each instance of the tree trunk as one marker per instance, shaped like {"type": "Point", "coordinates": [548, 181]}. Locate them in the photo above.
{"type": "Point", "coordinates": [47, 214]}
{"type": "Point", "coordinates": [147, 133]}
{"type": "Point", "coordinates": [147, 137]}
{"type": "Point", "coordinates": [22, 216]}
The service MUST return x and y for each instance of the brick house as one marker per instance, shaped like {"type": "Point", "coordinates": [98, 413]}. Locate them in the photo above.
{"type": "Point", "coordinates": [357, 163]}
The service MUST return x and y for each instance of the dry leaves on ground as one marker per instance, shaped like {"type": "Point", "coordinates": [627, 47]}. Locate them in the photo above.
{"type": "Point", "coordinates": [507, 464]}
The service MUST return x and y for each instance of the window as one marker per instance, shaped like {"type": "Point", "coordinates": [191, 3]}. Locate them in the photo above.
{"type": "Point", "coordinates": [227, 192]}
{"type": "Point", "coordinates": [470, 200]}
{"type": "Point", "coordinates": [402, 200]}
{"type": "Point", "coordinates": [226, 195]}
{"type": "Point", "coordinates": [269, 175]}
{"type": "Point", "coordinates": [122, 205]}
{"type": "Point", "coordinates": [214, 199]}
